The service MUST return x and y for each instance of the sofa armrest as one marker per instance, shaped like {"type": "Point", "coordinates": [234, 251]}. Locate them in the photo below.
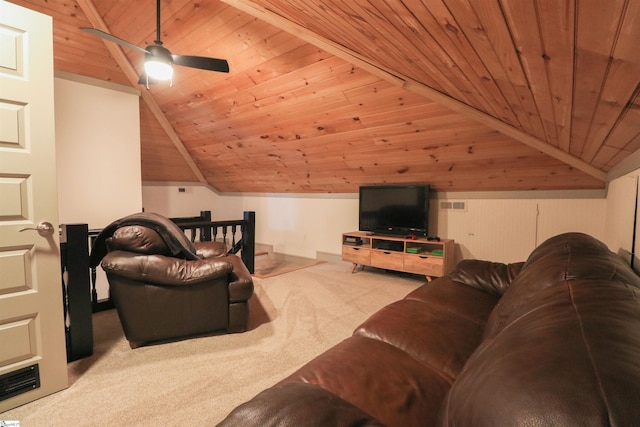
{"type": "Point", "coordinates": [240, 280]}
{"type": "Point", "coordinates": [164, 270]}
{"type": "Point", "coordinates": [298, 404]}
{"type": "Point", "coordinates": [492, 277]}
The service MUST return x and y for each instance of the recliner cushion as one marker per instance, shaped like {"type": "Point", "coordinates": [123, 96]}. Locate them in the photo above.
{"type": "Point", "coordinates": [164, 270]}
{"type": "Point", "coordinates": [175, 239]}
{"type": "Point", "coordinates": [138, 239]}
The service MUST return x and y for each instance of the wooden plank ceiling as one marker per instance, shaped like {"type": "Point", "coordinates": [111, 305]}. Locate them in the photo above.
{"type": "Point", "coordinates": [324, 96]}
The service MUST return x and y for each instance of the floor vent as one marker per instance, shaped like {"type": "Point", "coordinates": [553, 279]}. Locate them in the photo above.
{"type": "Point", "coordinates": [20, 381]}
{"type": "Point", "coordinates": [456, 205]}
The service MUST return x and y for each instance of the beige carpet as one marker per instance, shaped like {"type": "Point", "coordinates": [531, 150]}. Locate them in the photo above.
{"type": "Point", "coordinates": [197, 382]}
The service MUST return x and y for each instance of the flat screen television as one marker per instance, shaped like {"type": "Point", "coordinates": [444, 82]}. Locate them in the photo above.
{"type": "Point", "coordinates": [397, 210]}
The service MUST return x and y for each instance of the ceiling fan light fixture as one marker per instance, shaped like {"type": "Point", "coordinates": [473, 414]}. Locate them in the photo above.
{"type": "Point", "coordinates": [158, 62]}
{"type": "Point", "coordinates": [158, 69]}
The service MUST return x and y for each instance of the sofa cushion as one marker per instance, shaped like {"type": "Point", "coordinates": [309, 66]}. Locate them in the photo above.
{"type": "Point", "coordinates": [433, 330]}
{"type": "Point", "coordinates": [569, 359]}
{"type": "Point", "coordinates": [560, 348]}
{"type": "Point", "coordinates": [492, 277]}
{"type": "Point", "coordinates": [298, 404]}
{"type": "Point", "coordinates": [380, 379]}
{"type": "Point", "coordinates": [464, 301]}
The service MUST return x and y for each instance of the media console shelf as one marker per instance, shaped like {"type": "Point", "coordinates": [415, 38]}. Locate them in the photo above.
{"type": "Point", "coordinates": [418, 256]}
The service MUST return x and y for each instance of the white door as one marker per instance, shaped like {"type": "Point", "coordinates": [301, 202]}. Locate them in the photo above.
{"type": "Point", "coordinates": [32, 340]}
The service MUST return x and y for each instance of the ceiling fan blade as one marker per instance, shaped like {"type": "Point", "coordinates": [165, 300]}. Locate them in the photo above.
{"type": "Point", "coordinates": [114, 39]}
{"type": "Point", "coordinates": [204, 63]}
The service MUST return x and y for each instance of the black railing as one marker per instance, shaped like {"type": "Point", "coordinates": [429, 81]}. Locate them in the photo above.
{"type": "Point", "coordinates": [96, 304]}
{"type": "Point", "coordinates": [74, 259]}
{"type": "Point", "coordinates": [205, 230]}
{"type": "Point", "coordinates": [79, 280]}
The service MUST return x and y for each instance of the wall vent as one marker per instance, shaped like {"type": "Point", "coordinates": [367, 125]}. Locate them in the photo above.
{"type": "Point", "coordinates": [454, 205]}
{"type": "Point", "coordinates": [20, 381]}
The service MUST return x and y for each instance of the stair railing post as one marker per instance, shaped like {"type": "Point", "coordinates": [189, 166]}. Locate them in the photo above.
{"type": "Point", "coordinates": [249, 241]}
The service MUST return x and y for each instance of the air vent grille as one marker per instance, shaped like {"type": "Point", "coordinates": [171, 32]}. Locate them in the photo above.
{"type": "Point", "coordinates": [454, 205]}
{"type": "Point", "coordinates": [20, 381]}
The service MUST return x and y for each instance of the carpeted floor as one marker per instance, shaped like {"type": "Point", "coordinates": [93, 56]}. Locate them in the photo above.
{"type": "Point", "coordinates": [271, 265]}
{"type": "Point", "coordinates": [197, 382]}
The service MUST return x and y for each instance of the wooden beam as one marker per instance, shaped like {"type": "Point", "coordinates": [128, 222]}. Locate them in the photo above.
{"type": "Point", "coordinates": [407, 83]}
{"type": "Point", "coordinates": [96, 20]}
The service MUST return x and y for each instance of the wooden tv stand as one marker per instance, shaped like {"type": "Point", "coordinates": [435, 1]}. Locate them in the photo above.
{"type": "Point", "coordinates": [397, 253]}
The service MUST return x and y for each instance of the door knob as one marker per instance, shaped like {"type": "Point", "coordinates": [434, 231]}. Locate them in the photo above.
{"type": "Point", "coordinates": [44, 228]}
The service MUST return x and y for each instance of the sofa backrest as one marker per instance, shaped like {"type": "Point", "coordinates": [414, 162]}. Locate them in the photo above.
{"type": "Point", "coordinates": [565, 258]}
{"type": "Point", "coordinates": [562, 347]}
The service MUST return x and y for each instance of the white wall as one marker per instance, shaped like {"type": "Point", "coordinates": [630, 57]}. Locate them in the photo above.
{"type": "Point", "coordinates": [97, 152]}
{"type": "Point", "coordinates": [621, 211]}
{"type": "Point", "coordinates": [293, 225]}
{"type": "Point", "coordinates": [503, 227]}
{"type": "Point", "coordinates": [167, 200]}
{"type": "Point", "coordinates": [507, 229]}
{"type": "Point", "coordinates": [303, 225]}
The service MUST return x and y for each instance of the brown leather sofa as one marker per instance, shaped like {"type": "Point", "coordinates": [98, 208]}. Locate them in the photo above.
{"type": "Point", "coordinates": [165, 287]}
{"type": "Point", "coordinates": [554, 341]}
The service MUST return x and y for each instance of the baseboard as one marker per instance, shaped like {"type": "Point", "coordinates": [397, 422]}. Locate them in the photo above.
{"type": "Point", "coordinates": [263, 248]}
{"type": "Point", "coordinates": [266, 249]}
{"type": "Point", "coordinates": [328, 257]}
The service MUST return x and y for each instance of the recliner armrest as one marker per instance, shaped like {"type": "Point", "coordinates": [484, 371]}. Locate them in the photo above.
{"type": "Point", "coordinates": [240, 280]}
{"type": "Point", "coordinates": [210, 249]}
{"type": "Point", "coordinates": [164, 270]}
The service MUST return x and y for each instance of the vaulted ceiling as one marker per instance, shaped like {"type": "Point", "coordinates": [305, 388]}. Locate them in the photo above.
{"type": "Point", "coordinates": [324, 96]}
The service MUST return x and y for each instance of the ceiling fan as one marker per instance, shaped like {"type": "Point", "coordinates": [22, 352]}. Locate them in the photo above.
{"type": "Point", "coordinates": [158, 60]}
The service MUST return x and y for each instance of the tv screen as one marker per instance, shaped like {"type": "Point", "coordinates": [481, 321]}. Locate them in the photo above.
{"type": "Point", "coordinates": [394, 209]}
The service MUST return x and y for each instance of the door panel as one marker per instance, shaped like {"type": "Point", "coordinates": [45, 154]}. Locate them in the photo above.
{"type": "Point", "coordinates": [31, 313]}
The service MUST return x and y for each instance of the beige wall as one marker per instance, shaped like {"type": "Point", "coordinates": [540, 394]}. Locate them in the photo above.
{"type": "Point", "coordinates": [97, 152]}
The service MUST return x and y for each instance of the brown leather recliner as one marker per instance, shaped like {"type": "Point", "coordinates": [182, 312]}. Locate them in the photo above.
{"type": "Point", "coordinates": [164, 287]}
